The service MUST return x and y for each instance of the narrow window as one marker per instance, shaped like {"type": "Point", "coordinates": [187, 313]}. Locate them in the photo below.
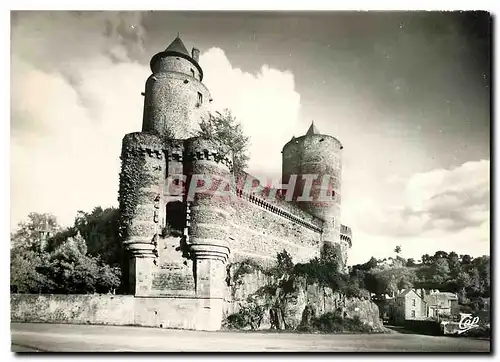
{"type": "Point", "coordinates": [192, 72]}
{"type": "Point", "coordinates": [413, 302]}
{"type": "Point", "coordinates": [413, 314]}
{"type": "Point", "coordinates": [200, 98]}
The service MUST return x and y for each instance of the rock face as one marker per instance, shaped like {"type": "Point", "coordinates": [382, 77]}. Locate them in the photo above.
{"type": "Point", "coordinates": [295, 305]}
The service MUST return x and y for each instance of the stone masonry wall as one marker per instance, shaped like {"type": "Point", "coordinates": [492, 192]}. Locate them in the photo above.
{"type": "Point", "coordinates": [77, 309]}
{"type": "Point", "coordinates": [182, 313]}
{"type": "Point", "coordinates": [260, 234]}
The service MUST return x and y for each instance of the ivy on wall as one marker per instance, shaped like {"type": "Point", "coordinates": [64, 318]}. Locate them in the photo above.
{"type": "Point", "coordinates": [132, 180]}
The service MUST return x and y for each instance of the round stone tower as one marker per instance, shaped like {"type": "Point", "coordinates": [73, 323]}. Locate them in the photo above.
{"type": "Point", "coordinates": [175, 97]}
{"type": "Point", "coordinates": [208, 174]}
{"type": "Point", "coordinates": [315, 159]}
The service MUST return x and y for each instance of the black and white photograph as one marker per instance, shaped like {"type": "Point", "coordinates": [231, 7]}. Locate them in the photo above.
{"type": "Point", "coordinates": [250, 181]}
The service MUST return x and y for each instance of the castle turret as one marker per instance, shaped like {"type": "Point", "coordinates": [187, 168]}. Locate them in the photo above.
{"type": "Point", "coordinates": [316, 160]}
{"type": "Point", "coordinates": [175, 97]}
{"type": "Point", "coordinates": [208, 175]}
{"type": "Point", "coordinates": [141, 182]}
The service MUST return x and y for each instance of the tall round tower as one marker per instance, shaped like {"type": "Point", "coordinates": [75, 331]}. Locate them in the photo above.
{"type": "Point", "coordinates": [315, 159]}
{"type": "Point", "coordinates": [175, 97]}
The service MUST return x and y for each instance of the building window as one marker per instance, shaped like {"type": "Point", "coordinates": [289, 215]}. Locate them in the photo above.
{"type": "Point", "coordinates": [413, 303]}
{"type": "Point", "coordinates": [200, 98]}
{"type": "Point", "coordinates": [192, 72]}
{"type": "Point", "coordinates": [413, 314]}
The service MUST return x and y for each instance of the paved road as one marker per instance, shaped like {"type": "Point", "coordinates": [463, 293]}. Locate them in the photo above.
{"type": "Point", "coordinates": [28, 337]}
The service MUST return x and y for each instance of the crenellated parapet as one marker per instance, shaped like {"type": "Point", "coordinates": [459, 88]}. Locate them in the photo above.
{"type": "Point", "coordinates": [268, 206]}
{"type": "Point", "coordinates": [346, 234]}
{"type": "Point", "coordinates": [198, 149]}
{"type": "Point", "coordinates": [175, 150]}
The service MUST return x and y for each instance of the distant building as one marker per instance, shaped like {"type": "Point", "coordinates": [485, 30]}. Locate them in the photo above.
{"type": "Point", "coordinates": [411, 304]}
{"type": "Point", "coordinates": [408, 304]}
{"type": "Point", "coordinates": [441, 303]}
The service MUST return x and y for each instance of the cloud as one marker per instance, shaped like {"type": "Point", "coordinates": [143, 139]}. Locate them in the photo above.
{"type": "Point", "coordinates": [76, 93]}
{"type": "Point", "coordinates": [266, 103]}
{"type": "Point", "coordinates": [438, 210]}
{"type": "Point", "coordinates": [73, 98]}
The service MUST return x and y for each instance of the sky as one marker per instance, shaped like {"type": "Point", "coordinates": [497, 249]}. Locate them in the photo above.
{"type": "Point", "coordinates": [407, 94]}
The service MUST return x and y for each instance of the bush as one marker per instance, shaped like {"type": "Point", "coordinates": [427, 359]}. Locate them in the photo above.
{"type": "Point", "coordinates": [249, 316]}
{"type": "Point", "coordinates": [333, 323]}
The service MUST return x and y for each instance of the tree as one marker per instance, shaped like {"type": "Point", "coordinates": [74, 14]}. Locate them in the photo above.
{"type": "Point", "coordinates": [100, 231]}
{"type": "Point", "coordinates": [427, 259]}
{"type": "Point", "coordinates": [72, 270]}
{"type": "Point", "coordinates": [397, 249]}
{"type": "Point", "coordinates": [441, 271]}
{"type": "Point", "coordinates": [466, 259]}
{"type": "Point", "coordinates": [410, 262]}
{"type": "Point", "coordinates": [228, 136]}
{"type": "Point", "coordinates": [25, 276]}
{"type": "Point", "coordinates": [463, 282]}
{"type": "Point", "coordinates": [64, 266]}
{"type": "Point", "coordinates": [454, 263]}
{"type": "Point", "coordinates": [28, 235]}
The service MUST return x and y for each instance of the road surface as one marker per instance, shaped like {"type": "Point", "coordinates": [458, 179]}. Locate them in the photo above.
{"type": "Point", "coordinates": [32, 337]}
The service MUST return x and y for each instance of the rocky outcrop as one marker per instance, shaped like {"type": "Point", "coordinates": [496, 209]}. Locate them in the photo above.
{"type": "Point", "coordinates": [295, 304]}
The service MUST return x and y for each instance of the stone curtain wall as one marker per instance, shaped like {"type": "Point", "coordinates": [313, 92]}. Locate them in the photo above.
{"type": "Point", "coordinates": [183, 313]}
{"type": "Point", "coordinates": [263, 225]}
{"type": "Point", "coordinates": [258, 233]}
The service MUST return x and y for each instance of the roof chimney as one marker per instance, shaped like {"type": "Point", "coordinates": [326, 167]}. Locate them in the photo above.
{"type": "Point", "coordinates": [195, 54]}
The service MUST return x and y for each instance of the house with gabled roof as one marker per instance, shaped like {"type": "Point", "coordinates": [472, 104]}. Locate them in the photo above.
{"type": "Point", "coordinates": [407, 305]}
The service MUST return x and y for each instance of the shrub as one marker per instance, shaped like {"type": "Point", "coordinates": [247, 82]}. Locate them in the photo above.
{"type": "Point", "coordinates": [332, 322]}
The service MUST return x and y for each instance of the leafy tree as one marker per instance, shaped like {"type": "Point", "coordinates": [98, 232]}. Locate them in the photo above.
{"type": "Point", "coordinates": [427, 259]}
{"type": "Point", "coordinates": [440, 255]}
{"type": "Point", "coordinates": [397, 249]}
{"type": "Point", "coordinates": [63, 267]}
{"type": "Point", "coordinates": [454, 263]}
{"type": "Point", "coordinates": [25, 276]}
{"type": "Point", "coordinates": [28, 235]}
{"type": "Point", "coordinates": [410, 262]}
{"type": "Point", "coordinates": [466, 259]}
{"type": "Point", "coordinates": [228, 135]}
{"type": "Point", "coordinates": [100, 232]}
{"type": "Point", "coordinates": [72, 270]}
{"type": "Point", "coordinates": [441, 270]}
{"type": "Point", "coordinates": [463, 282]}
{"type": "Point", "coordinates": [284, 262]}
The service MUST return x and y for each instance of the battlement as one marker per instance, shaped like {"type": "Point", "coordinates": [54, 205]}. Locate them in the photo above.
{"type": "Point", "coordinates": [346, 234]}
{"type": "Point", "coordinates": [143, 142]}
{"type": "Point", "coordinates": [276, 210]}
{"type": "Point", "coordinates": [200, 149]}
{"type": "Point", "coordinates": [209, 155]}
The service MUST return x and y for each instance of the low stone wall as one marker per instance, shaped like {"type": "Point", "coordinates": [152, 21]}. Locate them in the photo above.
{"type": "Point", "coordinates": [72, 308]}
{"type": "Point", "coordinates": [182, 313]}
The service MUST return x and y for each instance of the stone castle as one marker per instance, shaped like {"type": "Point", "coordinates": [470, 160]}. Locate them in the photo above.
{"type": "Point", "coordinates": [180, 249]}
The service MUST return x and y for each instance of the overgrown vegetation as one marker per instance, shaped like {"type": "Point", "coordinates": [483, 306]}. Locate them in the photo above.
{"type": "Point", "coordinates": [468, 277]}
{"type": "Point", "coordinates": [132, 179]}
{"type": "Point", "coordinates": [332, 322]}
{"type": "Point", "coordinates": [227, 136]}
{"type": "Point", "coordinates": [85, 258]}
